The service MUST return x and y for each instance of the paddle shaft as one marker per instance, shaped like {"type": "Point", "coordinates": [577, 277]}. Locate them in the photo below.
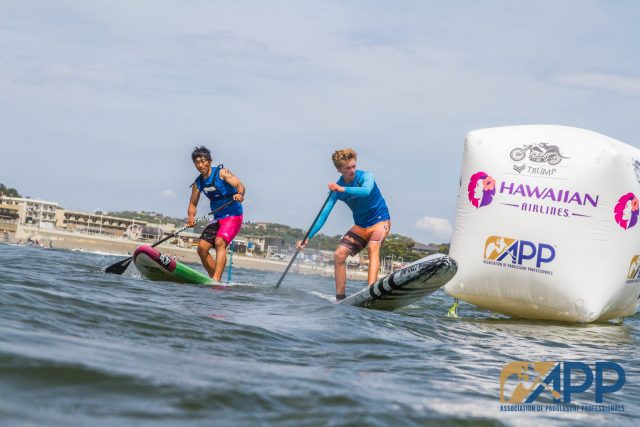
{"type": "Point", "coordinates": [180, 230]}
{"type": "Point", "coordinates": [121, 266]}
{"type": "Point", "coordinates": [295, 255]}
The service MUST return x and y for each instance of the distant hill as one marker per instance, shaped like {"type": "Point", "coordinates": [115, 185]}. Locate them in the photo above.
{"type": "Point", "coordinates": [8, 191]}
{"type": "Point", "coordinates": [150, 217]}
{"type": "Point", "coordinates": [288, 234]}
{"type": "Point", "coordinates": [396, 245]}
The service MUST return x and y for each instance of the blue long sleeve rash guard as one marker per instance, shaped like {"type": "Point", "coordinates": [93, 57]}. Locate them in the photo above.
{"type": "Point", "coordinates": [363, 198]}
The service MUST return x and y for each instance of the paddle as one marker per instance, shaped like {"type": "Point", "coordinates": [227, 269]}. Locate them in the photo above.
{"type": "Point", "coordinates": [303, 239]}
{"type": "Point", "coordinates": [120, 266]}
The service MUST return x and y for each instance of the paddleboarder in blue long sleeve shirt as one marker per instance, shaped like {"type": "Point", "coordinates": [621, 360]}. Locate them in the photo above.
{"type": "Point", "coordinates": [359, 191]}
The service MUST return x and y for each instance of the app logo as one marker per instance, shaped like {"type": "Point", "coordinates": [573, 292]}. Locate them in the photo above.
{"type": "Point", "coordinates": [558, 381]}
{"type": "Point", "coordinates": [518, 254]}
{"type": "Point", "coordinates": [538, 153]}
{"type": "Point", "coordinates": [626, 211]}
{"type": "Point", "coordinates": [634, 268]}
{"type": "Point", "coordinates": [496, 247]}
{"type": "Point", "coordinates": [481, 189]}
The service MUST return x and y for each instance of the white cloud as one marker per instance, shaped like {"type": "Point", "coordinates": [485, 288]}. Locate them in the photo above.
{"type": "Point", "coordinates": [437, 227]}
{"type": "Point", "coordinates": [274, 88]}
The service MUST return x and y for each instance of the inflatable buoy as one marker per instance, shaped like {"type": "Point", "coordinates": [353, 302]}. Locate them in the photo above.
{"type": "Point", "coordinates": [547, 224]}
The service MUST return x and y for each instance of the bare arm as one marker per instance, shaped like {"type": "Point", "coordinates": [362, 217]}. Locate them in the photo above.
{"type": "Point", "coordinates": [233, 181]}
{"type": "Point", "coordinates": [193, 205]}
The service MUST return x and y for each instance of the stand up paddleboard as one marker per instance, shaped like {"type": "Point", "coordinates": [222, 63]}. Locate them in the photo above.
{"type": "Point", "coordinates": [155, 265]}
{"type": "Point", "coordinates": [406, 285]}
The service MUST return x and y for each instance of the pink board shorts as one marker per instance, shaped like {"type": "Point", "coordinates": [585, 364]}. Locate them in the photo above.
{"type": "Point", "coordinates": [226, 228]}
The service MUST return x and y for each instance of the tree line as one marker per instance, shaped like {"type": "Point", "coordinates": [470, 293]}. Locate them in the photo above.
{"type": "Point", "coordinates": [9, 191]}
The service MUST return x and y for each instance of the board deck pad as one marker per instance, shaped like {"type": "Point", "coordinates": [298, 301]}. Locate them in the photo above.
{"type": "Point", "coordinates": [155, 265]}
{"type": "Point", "coordinates": [406, 285]}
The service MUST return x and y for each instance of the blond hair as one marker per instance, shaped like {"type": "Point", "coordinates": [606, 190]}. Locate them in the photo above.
{"type": "Point", "coordinates": [341, 156]}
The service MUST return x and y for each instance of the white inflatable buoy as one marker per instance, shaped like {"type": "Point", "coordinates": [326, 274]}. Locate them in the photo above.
{"type": "Point", "coordinates": [547, 224]}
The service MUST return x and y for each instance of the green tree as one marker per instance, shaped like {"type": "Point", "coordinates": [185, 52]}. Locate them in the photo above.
{"type": "Point", "coordinates": [8, 191]}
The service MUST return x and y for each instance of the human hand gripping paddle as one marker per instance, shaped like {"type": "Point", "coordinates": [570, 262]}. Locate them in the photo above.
{"type": "Point", "coordinates": [295, 255]}
{"type": "Point", "coordinates": [120, 266]}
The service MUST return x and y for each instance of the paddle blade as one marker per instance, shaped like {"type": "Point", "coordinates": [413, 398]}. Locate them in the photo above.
{"type": "Point", "coordinates": [119, 267]}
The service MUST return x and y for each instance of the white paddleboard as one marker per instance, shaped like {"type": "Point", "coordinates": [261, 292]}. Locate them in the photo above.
{"type": "Point", "coordinates": [406, 285]}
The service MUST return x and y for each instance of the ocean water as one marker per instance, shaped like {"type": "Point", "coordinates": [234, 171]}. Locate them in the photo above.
{"type": "Point", "coordinates": [81, 347]}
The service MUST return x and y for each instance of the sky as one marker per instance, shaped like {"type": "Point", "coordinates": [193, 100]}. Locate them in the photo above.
{"type": "Point", "coordinates": [102, 102]}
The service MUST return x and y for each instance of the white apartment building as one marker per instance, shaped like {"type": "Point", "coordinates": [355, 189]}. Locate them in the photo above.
{"type": "Point", "coordinates": [33, 211]}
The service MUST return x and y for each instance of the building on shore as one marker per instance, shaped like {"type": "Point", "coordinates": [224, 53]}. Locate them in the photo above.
{"type": "Point", "coordinates": [9, 219]}
{"type": "Point", "coordinates": [44, 215]}
{"type": "Point", "coordinates": [31, 211]}
{"type": "Point", "coordinates": [99, 223]}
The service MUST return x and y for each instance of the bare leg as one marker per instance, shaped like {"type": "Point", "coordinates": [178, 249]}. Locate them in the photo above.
{"type": "Point", "coordinates": [374, 262]}
{"type": "Point", "coordinates": [340, 265]}
{"type": "Point", "coordinates": [221, 258]}
{"type": "Point", "coordinates": [205, 257]}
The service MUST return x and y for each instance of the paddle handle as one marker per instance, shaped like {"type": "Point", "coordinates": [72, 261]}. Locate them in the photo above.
{"type": "Point", "coordinates": [303, 240]}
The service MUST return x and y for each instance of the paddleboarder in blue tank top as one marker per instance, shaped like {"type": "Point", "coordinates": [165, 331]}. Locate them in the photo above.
{"type": "Point", "coordinates": [360, 192]}
{"type": "Point", "coordinates": [220, 186]}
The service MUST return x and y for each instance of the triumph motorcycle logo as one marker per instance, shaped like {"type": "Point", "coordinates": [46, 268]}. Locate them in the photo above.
{"type": "Point", "coordinates": [636, 169]}
{"type": "Point", "coordinates": [538, 159]}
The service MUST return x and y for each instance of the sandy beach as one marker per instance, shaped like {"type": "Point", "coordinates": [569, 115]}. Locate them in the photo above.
{"type": "Point", "coordinates": [124, 247]}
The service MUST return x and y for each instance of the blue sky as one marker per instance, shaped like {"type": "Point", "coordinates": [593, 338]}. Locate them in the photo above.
{"type": "Point", "coordinates": [102, 102]}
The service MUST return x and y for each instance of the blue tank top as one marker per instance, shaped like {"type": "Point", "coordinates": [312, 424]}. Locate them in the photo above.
{"type": "Point", "coordinates": [219, 192]}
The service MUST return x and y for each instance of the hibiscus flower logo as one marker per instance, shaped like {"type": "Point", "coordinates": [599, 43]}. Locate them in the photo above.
{"type": "Point", "coordinates": [626, 211]}
{"type": "Point", "coordinates": [481, 189]}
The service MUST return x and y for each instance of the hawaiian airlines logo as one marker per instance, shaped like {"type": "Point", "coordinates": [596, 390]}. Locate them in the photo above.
{"type": "Point", "coordinates": [626, 211]}
{"type": "Point", "coordinates": [518, 254]}
{"type": "Point", "coordinates": [548, 200]}
{"type": "Point", "coordinates": [481, 189]}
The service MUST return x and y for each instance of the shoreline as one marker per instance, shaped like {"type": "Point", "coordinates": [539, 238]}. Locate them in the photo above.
{"type": "Point", "coordinates": [60, 239]}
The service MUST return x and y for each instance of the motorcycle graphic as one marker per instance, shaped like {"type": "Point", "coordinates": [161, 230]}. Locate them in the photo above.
{"type": "Point", "coordinates": [540, 153]}
{"type": "Point", "coordinates": [636, 170]}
